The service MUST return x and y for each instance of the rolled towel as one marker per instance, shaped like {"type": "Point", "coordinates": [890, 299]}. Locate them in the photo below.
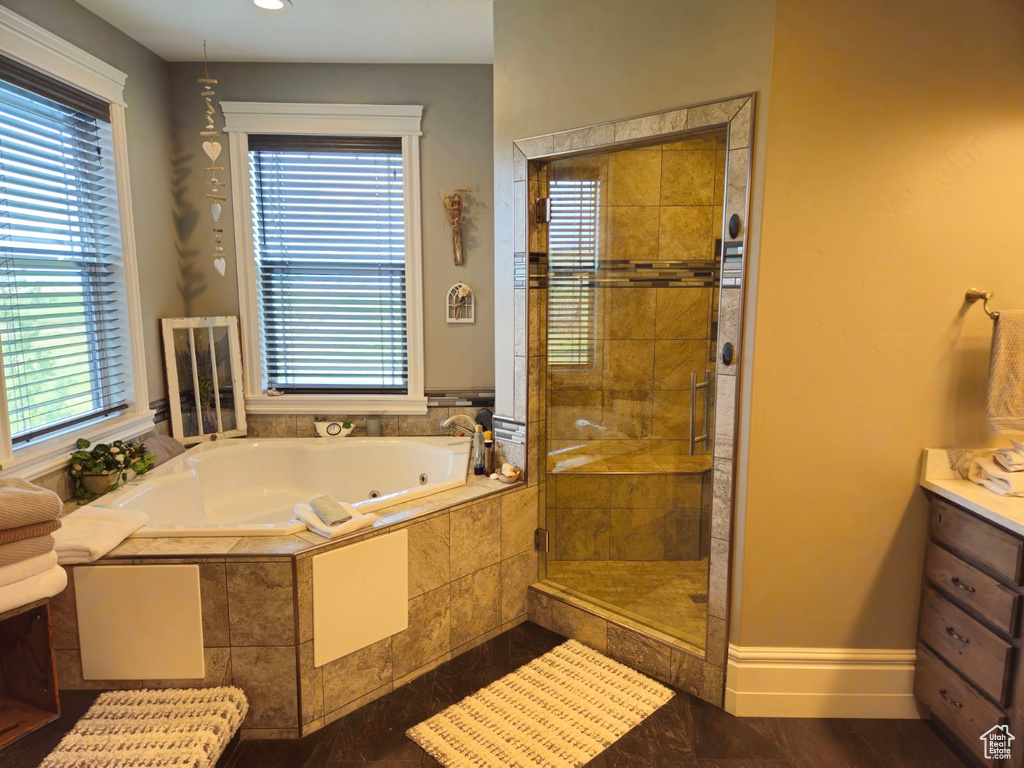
{"type": "Point", "coordinates": [17, 551]}
{"type": "Point", "coordinates": [332, 512]}
{"type": "Point", "coordinates": [985, 472]}
{"type": "Point", "coordinates": [1009, 460]}
{"type": "Point", "coordinates": [304, 513]}
{"type": "Point", "coordinates": [28, 531]}
{"type": "Point", "coordinates": [89, 533]}
{"type": "Point", "coordinates": [39, 587]}
{"type": "Point", "coordinates": [22, 503]}
{"type": "Point", "coordinates": [27, 568]}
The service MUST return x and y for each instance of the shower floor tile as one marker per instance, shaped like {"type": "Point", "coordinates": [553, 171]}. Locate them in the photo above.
{"type": "Point", "coordinates": [670, 596]}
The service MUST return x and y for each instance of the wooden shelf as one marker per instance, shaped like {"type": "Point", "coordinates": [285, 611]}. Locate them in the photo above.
{"type": "Point", "coordinates": [28, 675]}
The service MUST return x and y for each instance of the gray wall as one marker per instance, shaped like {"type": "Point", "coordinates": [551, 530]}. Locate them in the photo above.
{"type": "Point", "coordinates": [455, 152]}
{"type": "Point", "coordinates": [147, 93]}
{"type": "Point", "coordinates": [572, 63]}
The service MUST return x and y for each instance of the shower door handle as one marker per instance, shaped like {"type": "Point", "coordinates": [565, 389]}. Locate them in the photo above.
{"type": "Point", "coordinates": [694, 388]}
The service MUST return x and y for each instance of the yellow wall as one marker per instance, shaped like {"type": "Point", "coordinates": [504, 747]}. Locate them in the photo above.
{"type": "Point", "coordinates": [893, 183]}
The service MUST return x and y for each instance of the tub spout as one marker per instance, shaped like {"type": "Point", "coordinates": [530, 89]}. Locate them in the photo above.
{"type": "Point", "coordinates": [459, 420]}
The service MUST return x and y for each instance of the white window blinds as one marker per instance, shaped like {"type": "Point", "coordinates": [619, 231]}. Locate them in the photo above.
{"type": "Point", "coordinates": [328, 219]}
{"type": "Point", "coordinates": [573, 248]}
{"type": "Point", "coordinates": [62, 309]}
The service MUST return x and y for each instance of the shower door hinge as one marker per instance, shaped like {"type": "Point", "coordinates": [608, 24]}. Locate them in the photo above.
{"type": "Point", "coordinates": [542, 540]}
{"type": "Point", "coordinates": [542, 210]}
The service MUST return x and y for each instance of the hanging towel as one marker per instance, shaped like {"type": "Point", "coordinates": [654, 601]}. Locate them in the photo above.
{"type": "Point", "coordinates": [89, 533]}
{"type": "Point", "coordinates": [22, 503]}
{"type": "Point", "coordinates": [28, 531]}
{"type": "Point", "coordinates": [23, 550]}
{"type": "Point", "coordinates": [985, 472]}
{"type": "Point", "coordinates": [27, 568]}
{"type": "Point", "coordinates": [316, 525]}
{"type": "Point", "coordinates": [1006, 373]}
{"type": "Point", "coordinates": [39, 587]}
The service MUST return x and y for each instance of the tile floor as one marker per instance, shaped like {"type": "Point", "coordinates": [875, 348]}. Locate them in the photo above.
{"type": "Point", "coordinates": [685, 733]}
{"type": "Point", "coordinates": [668, 595]}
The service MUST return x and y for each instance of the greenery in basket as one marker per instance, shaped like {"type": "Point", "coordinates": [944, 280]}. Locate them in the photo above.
{"type": "Point", "coordinates": [102, 459]}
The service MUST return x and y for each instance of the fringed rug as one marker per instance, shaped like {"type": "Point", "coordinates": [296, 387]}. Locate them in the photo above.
{"type": "Point", "coordinates": [559, 711]}
{"type": "Point", "coordinates": [173, 728]}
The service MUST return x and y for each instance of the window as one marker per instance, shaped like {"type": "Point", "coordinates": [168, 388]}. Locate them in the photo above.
{"type": "Point", "coordinates": [62, 307]}
{"type": "Point", "coordinates": [573, 246]}
{"type": "Point", "coordinates": [70, 329]}
{"type": "Point", "coordinates": [328, 218]}
{"type": "Point", "coordinates": [327, 210]}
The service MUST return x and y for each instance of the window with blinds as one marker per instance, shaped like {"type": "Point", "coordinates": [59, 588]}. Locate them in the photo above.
{"type": "Point", "coordinates": [328, 219]}
{"type": "Point", "coordinates": [573, 243]}
{"type": "Point", "coordinates": [62, 307]}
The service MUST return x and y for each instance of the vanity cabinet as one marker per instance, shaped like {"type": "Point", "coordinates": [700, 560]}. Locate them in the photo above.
{"type": "Point", "coordinates": [969, 671]}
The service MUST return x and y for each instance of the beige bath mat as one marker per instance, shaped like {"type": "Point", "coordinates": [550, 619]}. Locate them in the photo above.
{"type": "Point", "coordinates": [173, 728]}
{"type": "Point", "coordinates": [560, 710]}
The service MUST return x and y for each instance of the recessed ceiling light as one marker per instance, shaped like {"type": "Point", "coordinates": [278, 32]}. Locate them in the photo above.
{"type": "Point", "coordinates": [270, 5]}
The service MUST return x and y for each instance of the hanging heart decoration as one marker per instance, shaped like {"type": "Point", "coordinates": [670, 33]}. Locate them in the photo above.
{"type": "Point", "coordinates": [212, 149]}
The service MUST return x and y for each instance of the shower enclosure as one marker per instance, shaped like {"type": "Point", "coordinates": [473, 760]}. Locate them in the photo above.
{"type": "Point", "coordinates": [634, 243]}
{"type": "Point", "coordinates": [630, 245]}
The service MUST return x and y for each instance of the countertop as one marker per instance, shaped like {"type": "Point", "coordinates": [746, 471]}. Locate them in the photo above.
{"type": "Point", "coordinates": [939, 477]}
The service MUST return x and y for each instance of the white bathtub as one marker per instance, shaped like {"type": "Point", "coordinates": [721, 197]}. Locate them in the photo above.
{"type": "Point", "coordinates": [248, 487]}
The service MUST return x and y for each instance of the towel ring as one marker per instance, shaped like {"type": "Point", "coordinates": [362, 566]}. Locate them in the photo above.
{"type": "Point", "coordinates": [974, 295]}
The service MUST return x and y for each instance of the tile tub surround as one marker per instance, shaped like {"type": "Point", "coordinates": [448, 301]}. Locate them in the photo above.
{"type": "Point", "coordinates": [531, 158]}
{"type": "Point", "coordinates": [471, 562]}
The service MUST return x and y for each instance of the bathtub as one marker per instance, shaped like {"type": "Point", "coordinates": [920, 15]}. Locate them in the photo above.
{"type": "Point", "coordinates": [248, 487]}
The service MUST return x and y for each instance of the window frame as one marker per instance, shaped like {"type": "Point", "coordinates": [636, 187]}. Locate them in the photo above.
{"type": "Point", "coordinates": [35, 47]}
{"type": "Point", "coordinates": [244, 118]}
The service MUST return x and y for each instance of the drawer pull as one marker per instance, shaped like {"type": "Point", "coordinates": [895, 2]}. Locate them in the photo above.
{"type": "Point", "coordinates": [952, 702]}
{"type": "Point", "coordinates": [960, 585]}
{"type": "Point", "coordinates": [952, 633]}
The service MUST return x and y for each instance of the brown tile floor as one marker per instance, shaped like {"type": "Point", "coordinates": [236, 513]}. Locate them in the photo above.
{"type": "Point", "coordinates": [685, 733]}
{"type": "Point", "coordinates": [660, 593]}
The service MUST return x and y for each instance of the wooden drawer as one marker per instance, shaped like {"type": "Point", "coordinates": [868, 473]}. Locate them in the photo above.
{"type": "Point", "coordinates": [973, 588]}
{"type": "Point", "coordinates": [964, 712]}
{"type": "Point", "coordinates": [980, 541]}
{"type": "Point", "coordinates": [966, 645]}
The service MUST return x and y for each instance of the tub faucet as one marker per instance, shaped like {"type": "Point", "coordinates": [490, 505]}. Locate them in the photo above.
{"type": "Point", "coordinates": [450, 424]}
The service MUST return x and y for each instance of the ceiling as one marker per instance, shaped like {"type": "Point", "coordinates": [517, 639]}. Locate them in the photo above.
{"type": "Point", "coordinates": [371, 31]}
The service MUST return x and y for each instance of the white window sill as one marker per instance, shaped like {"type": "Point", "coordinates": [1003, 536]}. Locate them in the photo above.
{"type": "Point", "coordinates": [48, 455]}
{"type": "Point", "coordinates": [341, 405]}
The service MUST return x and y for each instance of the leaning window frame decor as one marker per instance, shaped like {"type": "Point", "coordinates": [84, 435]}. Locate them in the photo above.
{"type": "Point", "coordinates": [225, 377]}
{"type": "Point", "coordinates": [33, 47]}
{"type": "Point", "coordinates": [242, 119]}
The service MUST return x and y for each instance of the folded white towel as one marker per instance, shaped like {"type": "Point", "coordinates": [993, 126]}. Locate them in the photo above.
{"type": "Point", "coordinates": [316, 525]}
{"type": "Point", "coordinates": [46, 584]}
{"type": "Point", "coordinates": [985, 472]}
{"type": "Point", "coordinates": [88, 533]}
{"type": "Point", "coordinates": [27, 568]}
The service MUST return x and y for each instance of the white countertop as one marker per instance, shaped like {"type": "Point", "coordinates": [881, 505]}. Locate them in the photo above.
{"type": "Point", "coordinates": [939, 477]}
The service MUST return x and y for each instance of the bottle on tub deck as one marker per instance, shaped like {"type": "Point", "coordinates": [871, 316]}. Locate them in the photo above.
{"type": "Point", "coordinates": [478, 450]}
{"type": "Point", "coordinates": [488, 454]}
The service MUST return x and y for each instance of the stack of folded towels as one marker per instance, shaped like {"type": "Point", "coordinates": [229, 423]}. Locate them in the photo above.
{"type": "Point", "coordinates": [1003, 472]}
{"type": "Point", "coordinates": [28, 562]}
{"type": "Point", "coordinates": [329, 518]}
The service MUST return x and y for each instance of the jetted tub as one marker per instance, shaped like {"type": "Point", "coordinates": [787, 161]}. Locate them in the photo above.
{"type": "Point", "coordinates": [249, 487]}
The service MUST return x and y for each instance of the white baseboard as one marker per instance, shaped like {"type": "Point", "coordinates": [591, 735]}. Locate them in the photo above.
{"type": "Point", "coordinates": [820, 682]}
